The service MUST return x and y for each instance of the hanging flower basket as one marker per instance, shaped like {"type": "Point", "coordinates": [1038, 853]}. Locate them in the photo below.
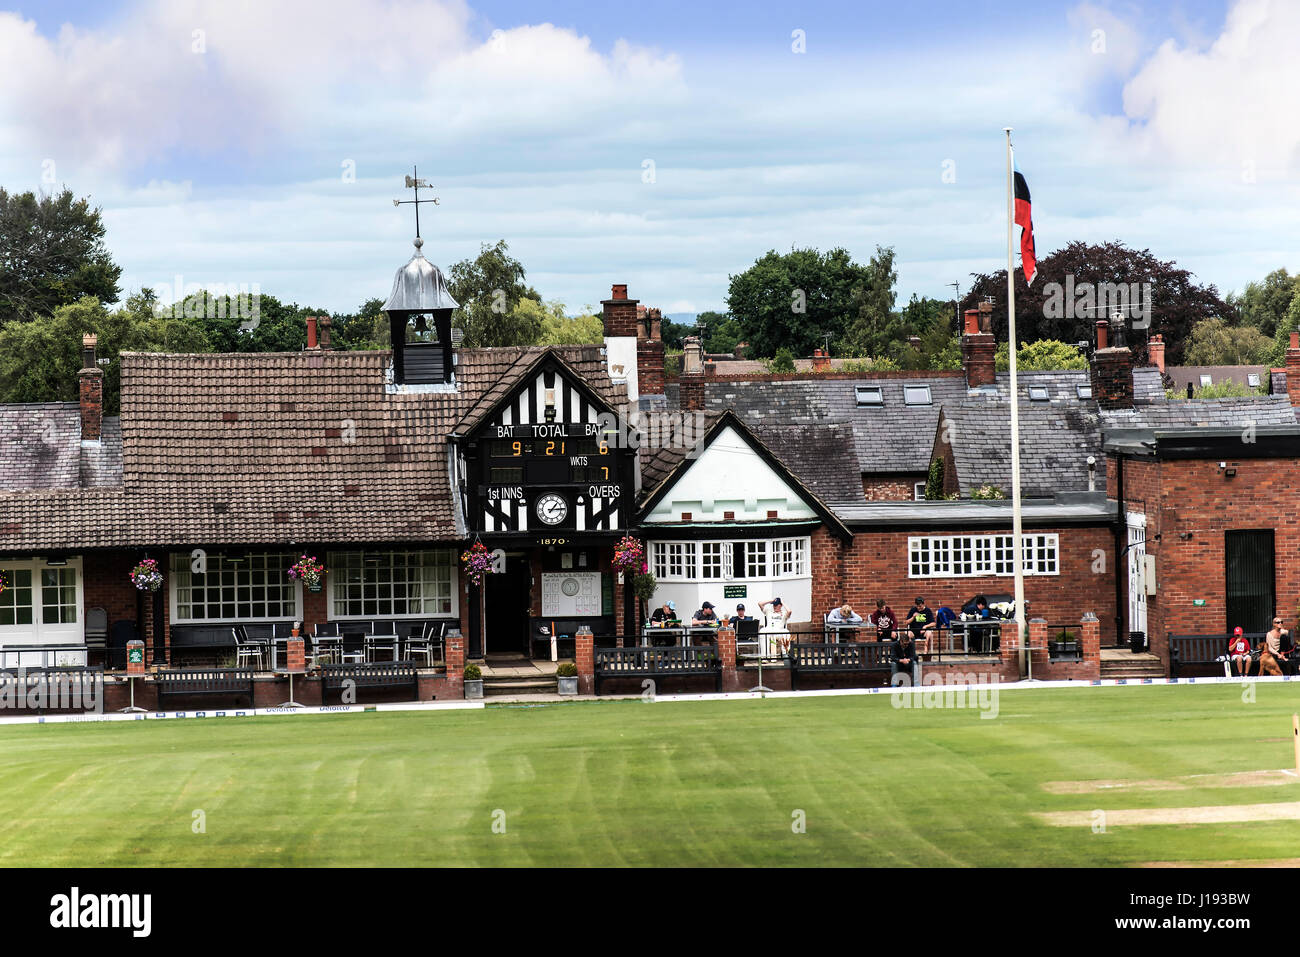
{"type": "Point", "coordinates": [477, 562]}
{"type": "Point", "coordinates": [3, 584]}
{"type": "Point", "coordinates": [629, 555]}
{"type": "Point", "coordinates": [145, 576]}
{"type": "Point", "coordinates": [308, 571]}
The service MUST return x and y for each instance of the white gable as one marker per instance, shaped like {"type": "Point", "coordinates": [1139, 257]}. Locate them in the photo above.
{"type": "Point", "coordinates": [729, 476]}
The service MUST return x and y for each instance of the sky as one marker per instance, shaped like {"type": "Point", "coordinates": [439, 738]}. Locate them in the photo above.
{"type": "Point", "coordinates": [664, 145]}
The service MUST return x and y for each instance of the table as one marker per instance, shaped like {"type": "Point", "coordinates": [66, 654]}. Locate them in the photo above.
{"type": "Point", "coordinates": [373, 643]}
{"type": "Point", "coordinates": [837, 630]}
{"type": "Point", "coordinates": [331, 645]}
{"type": "Point", "coordinates": [676, 632]}
{"type": "Point", "coordinates": [130, 709]}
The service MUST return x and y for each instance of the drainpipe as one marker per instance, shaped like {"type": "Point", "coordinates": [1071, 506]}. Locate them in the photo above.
{"type": "Point", "coordinates": [1121, 547]}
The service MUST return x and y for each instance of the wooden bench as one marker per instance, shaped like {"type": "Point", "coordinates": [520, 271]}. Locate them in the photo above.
{"type": "Point", "coordinates": [379, 674]}
{"type": "Point", "coordinates": [848, 657]}
{"type": "Point", "coordinates": [223, 682]}
{"type": "Point", "coordinates": [1193, 650]}
{"type": "Point", "coordinates": [686, 662]}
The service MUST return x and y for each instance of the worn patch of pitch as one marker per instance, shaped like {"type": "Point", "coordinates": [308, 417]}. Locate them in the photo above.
{"type": "Point", "coordinates": [1220, 814]}
{"type": "Point", "coordinates": [1238, 779]}
{"type": "Point", "coordinates": [1268, 862]}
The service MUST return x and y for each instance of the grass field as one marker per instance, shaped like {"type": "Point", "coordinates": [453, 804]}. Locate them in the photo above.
{"type": "Point", "coordinates": [626, 782]}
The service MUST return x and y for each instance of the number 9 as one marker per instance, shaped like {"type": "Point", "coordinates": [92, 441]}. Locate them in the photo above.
{"type": "Point", "coordinates": [515, 446]}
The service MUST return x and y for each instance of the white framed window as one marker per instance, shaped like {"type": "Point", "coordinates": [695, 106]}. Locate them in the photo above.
{"type": "Point", "coordinates": [41, 603]}
{"type": "Point", "coordinates": [1038, 393]}
{"type": "Point", "coordinates": [715, 560]}
{"type": "Point", "coordinates": [1252, 379]}
{"type": "Point", "coordinates": [234, 587]}
{"type": "Point", "coordinates": [916, 395]}
{"type": "Point", "coordinates": [674, 561]}
{"type": "Point", "coordinates": [969, 556]}
{"type": "Point", "coordinates": [1206, 381]}
{"type": "Point", "coordinates": [1083, 391]}
{"type": "Point", "coordinates": [788, 557]}
{"type": "Point", "coordinates": [393, 584]}
{"type": "Point", "coordinates": [731, 560]}
{"type": "Point", "coordinates": [756, 559]}
{"type": "Point", "coordinates": [869, 395]}
{"type": "Point", "coordinates": [918, 492]}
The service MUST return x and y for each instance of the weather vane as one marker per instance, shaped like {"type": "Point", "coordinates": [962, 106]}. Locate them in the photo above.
{"type": "Point", "coordinates": [414, 182]}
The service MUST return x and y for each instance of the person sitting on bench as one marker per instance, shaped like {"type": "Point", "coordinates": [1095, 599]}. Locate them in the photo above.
{"type": "Point", "coordinates": [705, 616]}
{"type": "Point", "coordinates": [1239, 650]}
{"type": "Point", "coordinates": [921, 621]}
{"type": "Point", "coordinates": [884, 620]}
{"type": "Point", "coordinates": [664, 614]}
{"type": "Point", "coordinates": [1281, 646]}
{"type": "Point", "coordinates": [844, 615]}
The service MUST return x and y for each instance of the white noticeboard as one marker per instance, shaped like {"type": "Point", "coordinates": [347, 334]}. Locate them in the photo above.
{"type": "Point", "coordinates": [570, 594]}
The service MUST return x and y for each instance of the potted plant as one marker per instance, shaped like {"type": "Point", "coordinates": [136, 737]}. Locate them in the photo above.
{"type": "Point", "coordinates": [473, 681]}
{"type": "Point", "coordinates": [1064, 645]}
{"type": "Point", "coordinates": [308, 571]}
{"type": "Point", "coordinates": [567, 677]}
{"type": "Point", "coordinates": [146, 576]}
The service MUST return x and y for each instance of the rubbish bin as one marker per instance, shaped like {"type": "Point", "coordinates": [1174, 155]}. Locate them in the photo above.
{"type": "Point", "coordinates": [1137, 641]}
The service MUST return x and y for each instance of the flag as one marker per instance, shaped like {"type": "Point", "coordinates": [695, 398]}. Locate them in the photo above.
{"type": "Point", "coordinates": [1026, 223]}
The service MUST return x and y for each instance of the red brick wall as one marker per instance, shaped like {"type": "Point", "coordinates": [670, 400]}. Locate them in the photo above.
{"type": "Point", "coordinates": [106, 583]}
{"type": "Point", "coordinates": [890, 486]}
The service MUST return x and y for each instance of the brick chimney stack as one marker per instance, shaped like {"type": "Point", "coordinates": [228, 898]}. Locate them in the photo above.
{"type": "Point", "coordinates": [1293, 369]}
{"type": "Point", "coordinates": [821, 361]}
{"type": "Point", "coordinates": [90, 382]}
{"type": "Point", "coordinates": [691, 381]}
{"type": "Point", "coordinates": [1111, 372]}
{"type": "Point", "coordinates": [1156, 350]}
{"type": "Point", "coordinates": [978, 349]}
{"type": "Point", "coordinates": [325, 333]}
{"type": "Point", "coordinates": [311, 333]}
{"type": "Point", "coordinates": [618, 315]}
{"type": "Point", "coordinates": [650, 354]}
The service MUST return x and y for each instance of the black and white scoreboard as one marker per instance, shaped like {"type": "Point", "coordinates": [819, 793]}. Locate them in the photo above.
{"type": "Point", "coordinates": [544, 478]}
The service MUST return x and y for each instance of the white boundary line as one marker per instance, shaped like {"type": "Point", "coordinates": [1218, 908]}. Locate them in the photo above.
{"type": "Point", "coordinates": [478, 705]}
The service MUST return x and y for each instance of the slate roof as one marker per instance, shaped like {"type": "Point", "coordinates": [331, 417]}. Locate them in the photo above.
{"type": "Point", "coordinates": [41, 448]}
{"type": "Point", "coordinates": [823, 456]}
{"type": "Point", "coordinates": [1056, 439]}
{"type": "Point", "coordinates": [228, 449]}
{"type": "Point", "coordinates": [659, 459]}
{"type": "Point", "coordinates": [1182, 375]}
{"type": "Point", "coordinates": [1188, 413]}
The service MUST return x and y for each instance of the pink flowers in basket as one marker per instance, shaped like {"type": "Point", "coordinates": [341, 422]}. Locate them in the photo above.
{"type": "Point", "coordinates": [629, 555]}
{"type": "Point", "coordinates": [478, 562]}
{"type": "Point", "coordinates": [309, 571]}
{"type": "Point", "coordinates": [146, 576]}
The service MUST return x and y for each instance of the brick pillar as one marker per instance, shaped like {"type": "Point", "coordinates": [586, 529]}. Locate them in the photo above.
{"type": "Point", "coordinates": [586, 660]}
{"type": "Point", "coordinates": [978, 358]}
{"type": "Point", "coordinates": [727, 658]}
{"type": "Point", "coordinates": [650, 367]}
{"type": "Point", "coordinates": [134, 651]}
{"type": "Point", "coordinates": [1038, 644]}
{"type": "Point", "coordinates": [455, 655]}
{"type": "Point", "coordinates": [1156, 351]}
{"type": "Point", "coordinates": [1112, 377]}
{"type": "Point", "coordinates": [1090, 629]}
{"type": "Point", "coordinates": [295, 655]}
{"type": "Point", "coordinates": [691, 397]}
{"type": "Point", "coordinates": [1010, 651]}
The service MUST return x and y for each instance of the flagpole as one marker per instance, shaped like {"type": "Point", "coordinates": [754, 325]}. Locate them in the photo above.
{"type": "Point", "coordinates": [1017, 543]}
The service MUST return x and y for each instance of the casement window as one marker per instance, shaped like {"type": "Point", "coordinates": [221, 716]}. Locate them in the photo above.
{"type": "Point", "coordinates": [969, 556]}
{"type": "Point", "coordinates": [730, 561]}
{"type": "Point", "coordinates": [234, 587]}
{"type": "Point", "coordinates": [40, 603]}
{"type": "Point", "coordinates": [392, 584]}
{"type": "Point", "coordinates": [58, 596]}
{"type": "Point", "coordinates": [16, 600]}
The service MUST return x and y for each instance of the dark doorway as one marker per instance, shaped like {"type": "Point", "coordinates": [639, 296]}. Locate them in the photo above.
{"type": "Point", "coordinates": [509, 597]}
{"type": "Point", "coordinates": [1248, 568]}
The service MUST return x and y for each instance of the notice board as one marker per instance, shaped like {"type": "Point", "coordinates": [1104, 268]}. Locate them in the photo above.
{"type": "Point", "coordinates": [571, 594]}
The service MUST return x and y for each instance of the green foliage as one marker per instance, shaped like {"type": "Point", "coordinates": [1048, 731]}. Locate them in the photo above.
{"type": "Point", "coordinates": [365, 330]}
{"type": "Point", "coordinates": [489, 290]}
{"type": "Point", "coordinates": [1263, 305]}
{"type": "Point", "coordinates": [558, 329]}
{"type": "Point", "coordinates": [1045, 355]}
{"type": "Point", "coordinates": [934, 482]}
{"type": "Point", "coordinates": [987, 493]}
{"type": "Point", "coordinates": [673, 363]}
{"type": "Point", "coordinates": [1215, 343]}
{"type": "Point", "coordinates": [793, 299]}
{"type": "Point", "coordinates": [52, 254]}
{"type": "Point", "coordinates": [783, 362]}
{"type": "Point", "coordinates": [566, 670]}
{"type": "Point", "coordinates": [673, 333]}
{"type": "Point", "coordinates": [473, 673]}
{"type": "Point", "coordinates": [643, 585]}
{"type": "Point", "coordinates": [1219, 390]}
{"type": "Point", "coordinates": [721, 332]}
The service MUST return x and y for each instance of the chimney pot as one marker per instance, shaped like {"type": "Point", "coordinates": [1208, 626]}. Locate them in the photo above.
{"type": "Point", "coordinates": [90, 391]}
{"type": "Point", "coordinates": [1293, 370]}
{"type": "Point", "coordinates": [972, 321]}
{"type": "Point", "coordinates": [1103, 329]}
{"type": "Point", "coordinates": [325, 333]}
{"type": "Point", "coordinates": [311, 333]}
{"type": "Point", "coordinates": [88, 344]}
{"type": "Point", "coordinates": [619, 291]}
{"type": "Point", "coordinates": [1156, 352]}
{"type": "Point", "coordinates": [1295, 340]}
{"type": "Point", "coordinates": [986, 316]}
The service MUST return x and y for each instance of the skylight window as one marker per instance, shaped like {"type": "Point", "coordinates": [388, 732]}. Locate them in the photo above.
{"type": "Point", "coordinates": [1038, 393]}
{"type": "Point", "coordinates": [1206, 380]}
{"type": "Point", "coordinates": [1083, 391]}
{"type": "Point", "coordinates": [916, 394]}
{"type": "Point", "coordinates": [1252, 380]}
{"type": "Point", "coordinates": [870, 395]}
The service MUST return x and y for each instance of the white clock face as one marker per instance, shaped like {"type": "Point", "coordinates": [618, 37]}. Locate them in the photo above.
{"type": "Point", "coordinates": [552, 508]}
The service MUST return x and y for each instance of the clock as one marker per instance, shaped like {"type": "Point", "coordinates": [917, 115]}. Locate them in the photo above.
{"type": "Point", "coordinates": [551, 508]}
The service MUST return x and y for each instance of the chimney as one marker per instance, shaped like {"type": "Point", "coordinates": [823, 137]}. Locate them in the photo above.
{"type": "Point", "coordinates": [1293, 369]}
{"type": "Point", "coordinates": [710, 368]}
{"type": "Point", "coordinates": [692, 356]}
{"type": "Point", "coordinates": [618, 316]}
{"type": "Point", "coordinates": [90, 381]}
{"type": "Point", "coordinates": [978, 350]}
{"type": "Point", "coordinates": [821, 361]}
{"type": "Point", "coordinates": [1112, 371]}
{"type": "Point", "coordinates": [311, 333]}
{"type": "Point", "coordinates": [325, 333]}
{"type": "Point", "coordinates": [650, 354]}
{"type": "Point", "coordinates": [985, 311]}
{"type": "Point", "coordinates": [1156, 351]}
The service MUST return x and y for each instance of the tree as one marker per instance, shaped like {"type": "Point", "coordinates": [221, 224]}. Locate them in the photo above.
{"type": "Point", "coordinates": [794, 299]}
{"type": "Point", "coordinates": [1263, 305]}
{"type": "Point", "coordinates": [40, 358]}
{"type": "Point", "coordinates": [558, 329]}
{"type": "Point", "coordinates": [673, 333]}
{"type": "Point", "coordinates": [722, 333]}
{"type": "Point", "coordinates": [1215, 343]}
{"type": "Point", "coordinates": [783, 362]}
{"type": "Point", "coordinates": [1176, 302]}
{"type": "Point", "coordinates": [1045, 355]}
{"type": "Point", "coordinates": [365, 330]}
{"type": "Point", "coordinates": [875, 327]}
{"type": "Point", "coordinates": [489, 289]}
{"type": "Point", "coordinates": [52, 254]}
{"type": "Point", "coordinates": [254, 323]}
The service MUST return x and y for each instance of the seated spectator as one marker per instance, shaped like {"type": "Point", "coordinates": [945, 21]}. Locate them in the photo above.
{"type": "Point", "coordinates": [664, 613]}
{"type": "Point", "coordinates": [884, 620]}
{"type": "Point", "coordinates": [740, 615]}
{"type": "Point", "coordinates": [922, 624]}
{"type": "Point", "coordinates": [705, 616]}
{"type": "Point", "coordinates": [978, 636]}
{"type": "Point", "coordinates": [1280, 646]}
{"type": "Point", "coordinates": [1239, 650]}
{"type": "Point", "coordinates": [844, 615]}
{"type": "Point", "coordinates": [905, 657]}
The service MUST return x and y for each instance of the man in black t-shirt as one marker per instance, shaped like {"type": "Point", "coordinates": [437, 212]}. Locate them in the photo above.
{"type": "Point", "coordinates": [921, 622]}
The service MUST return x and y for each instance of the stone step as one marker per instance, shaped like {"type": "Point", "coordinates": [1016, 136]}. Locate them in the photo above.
{"type": "Point", "coordinates": [511, 686]}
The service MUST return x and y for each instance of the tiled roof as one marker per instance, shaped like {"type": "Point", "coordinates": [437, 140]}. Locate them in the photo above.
{"type": "Point", "coordinates": [1148, 385]}
{"type": "Point", "coordinates": [276, 448]}
{"type": "Point", "coordinates": [1188, 413]}
{"type": "Point", "coordinates": [1056, 439]}
{"type": "Point", "coordinates": [41, 448]}
{"type": "Point", "coordinates": [823, 456]}
{"type": "Point", "coordinates": [658, 461]}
